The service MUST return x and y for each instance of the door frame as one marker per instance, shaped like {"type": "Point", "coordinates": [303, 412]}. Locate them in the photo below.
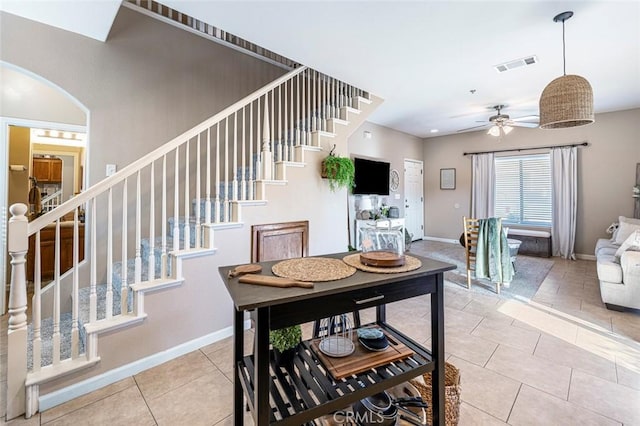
{"type": "Point", "coordinates": [404, 177]}
{"type": "Point", "coordinates": [5, 122]}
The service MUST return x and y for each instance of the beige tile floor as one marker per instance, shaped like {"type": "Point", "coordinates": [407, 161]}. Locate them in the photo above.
{"type": "Point", "coordinates": [560, 359]}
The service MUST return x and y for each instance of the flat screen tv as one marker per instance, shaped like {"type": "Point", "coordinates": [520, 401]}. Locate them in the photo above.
{"type": "Point", "coordinates": [371, 177]}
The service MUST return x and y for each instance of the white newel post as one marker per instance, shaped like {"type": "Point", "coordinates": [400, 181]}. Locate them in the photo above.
{"type": "Point", "coordinates": [266, 163]}
{"type": "Point", "coordinates": [18, 244]}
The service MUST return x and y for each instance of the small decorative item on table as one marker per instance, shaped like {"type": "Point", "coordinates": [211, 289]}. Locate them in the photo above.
{"type": "Point", "coordinates": [382, 247]}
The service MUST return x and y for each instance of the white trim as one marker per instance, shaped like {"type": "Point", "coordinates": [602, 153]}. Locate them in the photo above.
{"type": "Point", "coordinates": [82, 388]}
{"type": "Point", "coordinates": [4, 165]}
{"type": "Point", "coordinates": [585, 256]}
{"type": "Point", "coordinates": [442, 240]}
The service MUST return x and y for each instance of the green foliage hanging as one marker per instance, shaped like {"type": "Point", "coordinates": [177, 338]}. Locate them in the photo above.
{"type": "Point", "coordinates": [340, 172]}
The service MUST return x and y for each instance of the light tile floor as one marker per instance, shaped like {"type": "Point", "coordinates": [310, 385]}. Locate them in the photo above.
{"type": "Point", "coordinates": [560, 359]}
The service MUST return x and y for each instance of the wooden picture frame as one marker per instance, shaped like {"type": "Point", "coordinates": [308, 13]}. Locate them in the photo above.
{"type": "Point", "coordinates": [447, 178]}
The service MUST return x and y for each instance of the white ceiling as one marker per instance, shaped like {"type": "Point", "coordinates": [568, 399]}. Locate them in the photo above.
{"type": "Point", "coordinates": [424, 57]}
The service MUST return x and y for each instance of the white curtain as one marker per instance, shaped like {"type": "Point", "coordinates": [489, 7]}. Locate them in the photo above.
{"type": "Point", "coordinates": [564, 182]}
{"type": "Point", "coordinates": [483, 185]}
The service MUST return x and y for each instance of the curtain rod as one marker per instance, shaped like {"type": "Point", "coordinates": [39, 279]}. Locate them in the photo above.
{"type": "Point", "coordinates": [528, 149]}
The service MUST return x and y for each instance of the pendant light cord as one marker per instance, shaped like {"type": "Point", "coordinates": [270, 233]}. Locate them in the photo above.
{"type": "Point", "coordinates": [564, 59]}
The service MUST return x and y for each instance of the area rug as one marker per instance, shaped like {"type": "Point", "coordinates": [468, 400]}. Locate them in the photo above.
{"type": "Point", "coordinates": [530, 271]}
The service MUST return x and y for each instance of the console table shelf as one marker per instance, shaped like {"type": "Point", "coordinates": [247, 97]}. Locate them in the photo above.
{"type": "Point", "coordinates": [306, 391]}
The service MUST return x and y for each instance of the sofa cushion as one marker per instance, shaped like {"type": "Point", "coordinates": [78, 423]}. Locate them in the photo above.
{"type": "Point", "coordinates": [609, 268]}
{"type": "Point", "coordinates": [631, 243]}
{"type": "Point", "coordinates": [608, 246]}
{"type": "Point", "coordinates": [626, 228]}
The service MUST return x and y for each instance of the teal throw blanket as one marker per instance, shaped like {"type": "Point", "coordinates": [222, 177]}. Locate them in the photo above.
{"type": "Point", "coordinates": [492, 254]}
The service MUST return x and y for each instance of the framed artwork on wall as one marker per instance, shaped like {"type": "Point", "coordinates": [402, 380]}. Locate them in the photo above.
{"type": "Point", "coordinates": [447, 178]}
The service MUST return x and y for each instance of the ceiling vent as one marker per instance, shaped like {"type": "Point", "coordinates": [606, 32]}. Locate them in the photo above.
{"type": "Point", "coordinates": [507, 66]}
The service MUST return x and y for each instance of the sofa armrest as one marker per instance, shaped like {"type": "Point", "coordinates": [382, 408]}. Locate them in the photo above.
{"type": "Point", "coordinates": [630, 261]}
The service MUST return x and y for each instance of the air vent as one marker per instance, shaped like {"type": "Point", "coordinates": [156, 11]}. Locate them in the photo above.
{"type": "Point", "coordinates": [507, 66]}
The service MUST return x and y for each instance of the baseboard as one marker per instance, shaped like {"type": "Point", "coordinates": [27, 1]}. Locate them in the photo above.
{"type": "Point", "coordinates": [442, 240]}
{"type": "Point", "coordinates": [94, 383]}
{"type": "Point", "coordinates": [585, 256]}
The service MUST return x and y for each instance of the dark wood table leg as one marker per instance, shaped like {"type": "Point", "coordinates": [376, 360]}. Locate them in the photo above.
{"type": "Point", "coordinates": [261, 374]}
{"type": "Point", "coordinates": [437, 348]}
{"type": "Point", "coordinates": [238, 352]}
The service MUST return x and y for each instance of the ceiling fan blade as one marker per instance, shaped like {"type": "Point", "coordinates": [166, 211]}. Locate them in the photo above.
{"type": "Point", "coordinates": [529, 118]}
{"type": "Point", "coordinates": [474, 127]}
{"type": "Point", "coordinates": [524, 124]}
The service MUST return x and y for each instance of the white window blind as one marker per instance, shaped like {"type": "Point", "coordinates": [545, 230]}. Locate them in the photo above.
{"type": "Point", "coordinates": [523, 189]}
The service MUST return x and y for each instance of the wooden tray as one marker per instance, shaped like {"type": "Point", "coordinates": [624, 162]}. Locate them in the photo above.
{"type": "Point", "coordinates": [361, 359]}
{"type": "Point", "coordinates": [381, 259]}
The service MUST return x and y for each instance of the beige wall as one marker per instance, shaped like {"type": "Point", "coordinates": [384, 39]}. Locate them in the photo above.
{"type": "Point", "coordinates": [147, 84]}
{"type": "Point", "coordinates": [606, 172]}
{"type": "Point", "coordinates": [26, 97]}
{"type": "Point", "coordinates": [19, 154]}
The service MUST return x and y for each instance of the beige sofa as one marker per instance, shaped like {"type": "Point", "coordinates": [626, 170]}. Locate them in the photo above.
{"type": "Point", "coordinates": [619, 269]}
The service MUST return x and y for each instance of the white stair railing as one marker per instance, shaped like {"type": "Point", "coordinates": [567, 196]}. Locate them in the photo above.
{"type": "Point", "coordinates": [236, 148]}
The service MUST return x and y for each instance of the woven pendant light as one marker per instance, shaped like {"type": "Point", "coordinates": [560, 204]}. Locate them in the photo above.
{"type": "Point", "coordinates": [568, 100]}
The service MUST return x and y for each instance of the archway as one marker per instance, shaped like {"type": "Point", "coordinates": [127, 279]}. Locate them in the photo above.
{"type": "Point", "coordinates": [29, 101]}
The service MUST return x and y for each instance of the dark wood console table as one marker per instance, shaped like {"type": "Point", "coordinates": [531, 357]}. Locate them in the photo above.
{"type": "Point", "coordinates": [307, 391]}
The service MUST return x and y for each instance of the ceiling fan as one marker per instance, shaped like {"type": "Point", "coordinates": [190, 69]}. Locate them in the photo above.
{"type": "Point", "coordinates": [502, 124]}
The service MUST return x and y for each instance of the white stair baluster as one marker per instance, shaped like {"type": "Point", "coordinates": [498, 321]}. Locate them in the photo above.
{"type": "Point", "coordinates": [75, 294]}
{"type": "Point", "coordinates": [187, 216]}
{"type": "Point", "coordinates": [251, 139]}
{"type": "Point", "coordinates": [309, 112]}
{"type": "Point", "coordinates": [285, 128]}
{"type": "Point", "coordinates": [37, 307]}
{"type": "Point", "coordinates": [298, 107]}
{"type": "Point", "coordinates": [243, 183]}
{"type": "Point", "coordinates": [266, 153]}
{"type": "Point", "coordinates": [109, 304]}
{"type": "Point", "coordinates": [217, 187]}
{"type": "Point", "coordinates": [315, 100]}
{"type": "Point", "coordinates": [151, 260]}
{"type": "Point", "coordinates": [176, 201]}
{"type": "Point", "coordinates": [138, 252]}
{"type": "Point", "coordinates": [93, 295]}
{"type": "Point", "coordinates": [56, 297]}
{"type": "Point", "coordinates": [163, 223]}
{"type": "Point", "coordinates": [280, 156]}
{"type": "Point", "coordinates": [226, 170]}
{"type": "Point", "coordinates": [124, 285]}
{"type": "Point", "coordinates": [207, 203]}
{"type": "Point", "coordinates": [234, 172]}
{"type": "Point", "coordinates": [198, 189]}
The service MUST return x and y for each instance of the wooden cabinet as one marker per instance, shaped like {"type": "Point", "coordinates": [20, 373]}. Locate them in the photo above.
{"type": "Point", "coordinates": [48, 250]}
{"type": "Point", "coordinates": [47, 169]}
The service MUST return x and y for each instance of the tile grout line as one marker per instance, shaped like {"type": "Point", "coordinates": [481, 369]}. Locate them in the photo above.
{"type": "Point", "coordinates": [144, 398]}
{"type": "Point", "coordinates": [514, 402]}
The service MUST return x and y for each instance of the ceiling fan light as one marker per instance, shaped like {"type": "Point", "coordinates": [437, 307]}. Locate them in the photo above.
{"type": "Point", "coordinates": [494, 131]}
{"type": "Point", "coordinates": [507, 129]}
{"type": "Point", "coordinates": [566, 102]}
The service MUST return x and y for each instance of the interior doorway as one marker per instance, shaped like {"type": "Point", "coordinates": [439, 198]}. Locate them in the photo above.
{"type": "Point", "coordinates": [414, 198]}
{"type": "Point", "coordinates": [30, 101]}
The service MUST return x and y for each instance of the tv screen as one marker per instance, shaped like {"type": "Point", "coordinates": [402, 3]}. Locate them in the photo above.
{"type": "Point", "coordinates": [371, 177]}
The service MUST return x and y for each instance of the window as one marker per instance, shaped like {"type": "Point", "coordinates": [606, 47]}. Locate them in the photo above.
{"type": "Point", "coordinates": [523, 189]}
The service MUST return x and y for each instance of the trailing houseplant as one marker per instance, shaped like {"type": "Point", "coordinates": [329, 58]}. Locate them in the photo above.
{"type": "Point", "coordinates": [285, 342]}
{"type": "Point", "coordinates": [339, 170]}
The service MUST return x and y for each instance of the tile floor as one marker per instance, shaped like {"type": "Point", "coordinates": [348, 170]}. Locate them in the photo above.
{"type": "Point", "coordinates": [560, 359]}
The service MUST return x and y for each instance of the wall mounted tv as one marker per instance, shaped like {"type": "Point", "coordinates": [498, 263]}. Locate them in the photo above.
{"type": "Point", "coordinates": [371, 177]}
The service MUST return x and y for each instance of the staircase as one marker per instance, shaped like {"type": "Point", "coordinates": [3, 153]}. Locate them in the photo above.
{"type": "Point", "coordinates": [144, 222]}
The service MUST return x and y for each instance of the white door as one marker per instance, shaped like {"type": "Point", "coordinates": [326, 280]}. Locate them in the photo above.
{"type": "Point", "coordinates": [413, 199]}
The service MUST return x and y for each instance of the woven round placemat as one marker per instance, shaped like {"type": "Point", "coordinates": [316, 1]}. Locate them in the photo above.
{"type": "Point", "coordinates": [410, 263]}
{"type": "Point", "coordinates": [314, 269]}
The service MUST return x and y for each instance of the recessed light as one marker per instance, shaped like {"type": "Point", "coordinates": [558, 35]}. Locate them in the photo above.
{"type": "Point", "coordinates": [434, 130]}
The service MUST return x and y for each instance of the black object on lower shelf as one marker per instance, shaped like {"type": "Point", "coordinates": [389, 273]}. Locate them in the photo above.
{"type": "Point", "coordinates": [307, 391]}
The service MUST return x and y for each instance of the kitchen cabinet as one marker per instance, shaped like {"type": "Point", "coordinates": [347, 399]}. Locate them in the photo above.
{"type": "Point", "coordinates": [48, 250]}
{"type": "Point", "coordinates": [295, 396]}
{"type": "Point", "coordinates": [47, 169]}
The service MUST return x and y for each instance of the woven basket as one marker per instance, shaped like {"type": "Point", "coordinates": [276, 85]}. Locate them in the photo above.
{"type": "Point", "coordinates": [451, 394]}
